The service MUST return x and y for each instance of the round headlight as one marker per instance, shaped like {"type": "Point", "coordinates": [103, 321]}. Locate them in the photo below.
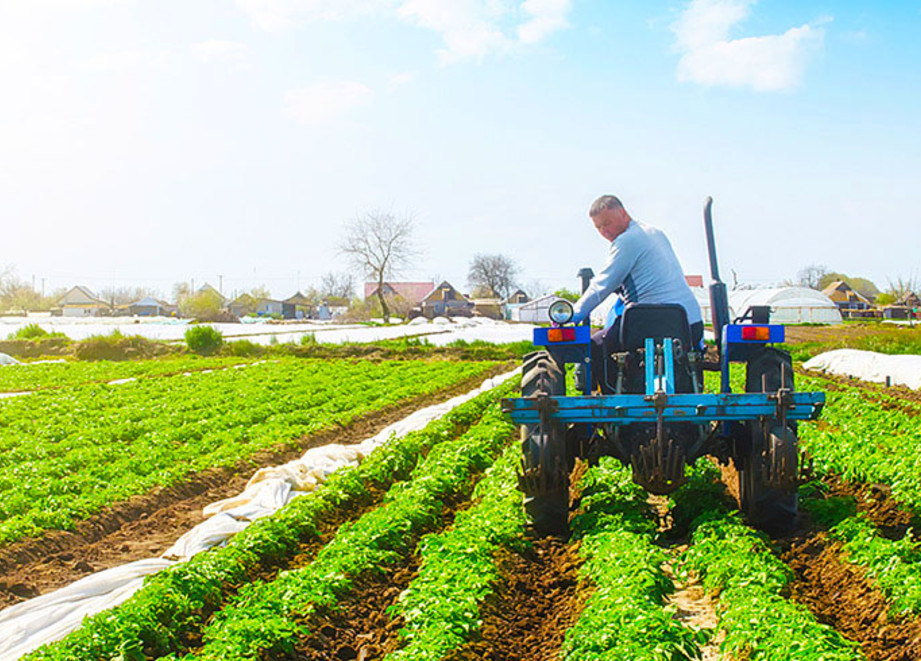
{"type": "Point", "coordinates": [560, 311]}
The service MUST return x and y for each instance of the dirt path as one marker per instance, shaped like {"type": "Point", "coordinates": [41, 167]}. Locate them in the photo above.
{"type": "Point", "coordinates": [538, 600]}
{"type": "Point", "coordinates": [146, 525]}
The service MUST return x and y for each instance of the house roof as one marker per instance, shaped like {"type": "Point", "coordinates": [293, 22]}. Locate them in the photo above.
{"type": "Point", "coordinates": [413, 292]}
{"type": "Point", "coordinates": [436, 292]}
{"type": "Point", "coordinates": [298, 299]}
{"type": "Point", "coordinates": [846, 289]}
{"type": "Point", "coordinates": [694, 280]}
{"type": "Point", "coordinates": [147, 302]}
{"type": "Point", "coordinates": [80, 296]}
{"type": "Point", "coordinates": [208, 288]}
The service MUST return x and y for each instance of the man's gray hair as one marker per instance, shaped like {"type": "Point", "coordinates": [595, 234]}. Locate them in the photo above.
{"type": "Point", "coordinates": [604, 202]}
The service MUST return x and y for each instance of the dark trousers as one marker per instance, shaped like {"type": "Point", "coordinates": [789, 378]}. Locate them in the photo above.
{"type": "Point", "coordinates": [605, 342]}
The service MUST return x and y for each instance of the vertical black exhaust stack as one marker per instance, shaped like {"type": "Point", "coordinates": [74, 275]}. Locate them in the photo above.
{"type": "Point", "coordinates": [719, 300]}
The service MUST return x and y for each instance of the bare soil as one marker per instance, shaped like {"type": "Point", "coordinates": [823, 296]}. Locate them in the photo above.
{"type": "Point", "coordinates": [839, 594]}
{"type": "Point", "coordinates": [146, 525]}
{"type": "Point", "coordinates": [538, 600]}
{"type": "Point", "coordinates": [360, 629]}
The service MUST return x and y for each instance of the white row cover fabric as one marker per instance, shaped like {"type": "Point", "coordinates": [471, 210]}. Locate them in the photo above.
{"type": "Point", "coordinates": [48, 618]}
{"type": "Point", "coordinates": [904, 370]}
{"type": "Point", "coordinates": [7, 360]}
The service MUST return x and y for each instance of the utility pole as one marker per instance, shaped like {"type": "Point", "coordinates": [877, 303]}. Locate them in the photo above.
{"type": "Point", "coordinates": [43, 288]}
{"type": "Point", "coordinates": [220, 284]}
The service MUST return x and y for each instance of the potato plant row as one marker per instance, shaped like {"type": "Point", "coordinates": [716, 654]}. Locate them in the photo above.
{"type": "Point", "coordinates": [173, 605]}
{"type": "Point", "coordinates": [624, 618]}
{"type": "Point", "coordinates": [865, 440]}
{"type": "Point", "coordinates": [66, 454]}
{"type": "Point", "coordinates": [266, 619]}
{"type": "Point", "coordinates": [458, 569]}
{"type": "Point", "coordinates": [758, 622]}
{"type": "Point", "coordinates": [41, 376]}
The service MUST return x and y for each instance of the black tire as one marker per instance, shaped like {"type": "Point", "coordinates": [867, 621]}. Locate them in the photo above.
{"type": "Point", "coordinates": [770, 508]}
{"type": "Point", "coordinates": [768, 469]}
{"type": "Point", "coordinates": [545, 475]}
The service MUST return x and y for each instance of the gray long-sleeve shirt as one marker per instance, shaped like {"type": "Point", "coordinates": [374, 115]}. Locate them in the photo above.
{"type": "Point", "coordinates": [642, 268]}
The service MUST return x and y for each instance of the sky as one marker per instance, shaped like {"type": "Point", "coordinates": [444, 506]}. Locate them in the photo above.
{"type": "Point", "coordinates": [146, 142]}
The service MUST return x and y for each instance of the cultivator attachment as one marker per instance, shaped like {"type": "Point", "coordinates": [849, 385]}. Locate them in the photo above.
{"type": "Point", "coordinates": [658, 465]}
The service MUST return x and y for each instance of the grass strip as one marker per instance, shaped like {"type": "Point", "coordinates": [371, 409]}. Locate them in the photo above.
{"type": "Point", "coordinates": [172, 606]}
{"type": "Point", "coordinates": [458, 570]}
{"type": "Point", "coordinates": [624, 618]}
{"type": "Point", "coordinates": [267, 619]}
{"type": "Point", "coordinates": [737, 563]}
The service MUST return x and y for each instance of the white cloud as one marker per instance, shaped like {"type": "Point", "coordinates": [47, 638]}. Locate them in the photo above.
{"type": "Point", "coordinates": [322, 102]}
{"type": "Point", "coordinates": [711, 58]}
{"type": "Point", "coordinates": [470, 29]}
{"type": "Point", "coordinates": [546, 17]}
{"type": "Point", "coordinates": [273, 15]}
{"type": "Point", "coordinates": [216, 50]}
{"type": "Point", "coordinates": [401, 79]}
{"type": "Point", "coordinates": [125, 61]}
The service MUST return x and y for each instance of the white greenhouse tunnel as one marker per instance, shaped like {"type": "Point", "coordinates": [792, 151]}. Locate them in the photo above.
{"type": "Point", "coordinates": [789, 305]}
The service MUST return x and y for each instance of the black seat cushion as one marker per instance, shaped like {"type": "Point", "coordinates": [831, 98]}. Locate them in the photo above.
{"type": "Point", "coordinates": [643, 320]}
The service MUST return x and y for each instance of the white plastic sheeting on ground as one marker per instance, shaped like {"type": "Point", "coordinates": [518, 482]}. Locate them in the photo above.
{"type": "Point", "coordinates": [902, 370]}
{"type": "Point", "coordinates": [26, 626]}
{"type": "Point", "coordinates": [7, 360]}
{"type": "Point", "coordinates": [262, 331]}
{"type": "Point", "coordinates": [31, 624]}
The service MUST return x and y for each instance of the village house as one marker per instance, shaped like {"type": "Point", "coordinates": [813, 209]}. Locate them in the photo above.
{"type": "Point", "coordinates": [79, 301]}
{"type": "Point", "coordinates": [445, 301]}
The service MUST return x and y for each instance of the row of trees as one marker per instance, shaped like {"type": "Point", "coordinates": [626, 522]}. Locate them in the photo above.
{"type": "Point", "coordinates": [378, 244]}
{"type": "Point", "coordinates": [818, 276]}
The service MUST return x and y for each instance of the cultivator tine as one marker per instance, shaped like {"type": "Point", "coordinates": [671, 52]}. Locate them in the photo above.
{"type": "Point", "coordinates": [659, 466]}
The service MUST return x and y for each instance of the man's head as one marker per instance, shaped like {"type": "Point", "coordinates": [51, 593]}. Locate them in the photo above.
{"type": "Point", "coordinates": [609, 216]}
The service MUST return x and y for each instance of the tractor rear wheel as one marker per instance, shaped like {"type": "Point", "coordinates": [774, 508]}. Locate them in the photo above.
{"type": "Point", "coordinates": [544, 477]}
{"type": "Point", "coordinates": [768, 470]}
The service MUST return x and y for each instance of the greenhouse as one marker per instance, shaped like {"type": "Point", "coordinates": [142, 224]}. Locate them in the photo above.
{"type": "Point", "coordinates": [789, 305]}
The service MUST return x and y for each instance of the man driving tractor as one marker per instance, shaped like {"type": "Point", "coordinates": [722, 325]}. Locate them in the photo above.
{"type": "Point", "coordinates": [641, 268]}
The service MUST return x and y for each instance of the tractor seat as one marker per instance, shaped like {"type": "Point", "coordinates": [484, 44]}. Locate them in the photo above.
{"type": "Point", "coordinates": [643, 320]}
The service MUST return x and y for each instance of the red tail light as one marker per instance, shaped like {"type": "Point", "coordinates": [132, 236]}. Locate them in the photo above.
{"type": "Point", "coordinates": [756, 333]}
{"type": "Point", "coordinates": [561, 335]}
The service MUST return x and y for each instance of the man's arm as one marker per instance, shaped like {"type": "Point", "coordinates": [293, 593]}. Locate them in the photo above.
{"type": "Point", "coordinates": [622, 256]}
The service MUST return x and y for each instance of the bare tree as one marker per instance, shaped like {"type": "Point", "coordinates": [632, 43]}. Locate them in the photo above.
{"type": "Point", "coordinates": [125, 295]}
{"type": "Point", "coordinates": [337, 285]}
{"type": "Point", "coordinates": [381, 245]}
{"type": "Point", "coordinates": [903, 286]}
{"type": "Point", "coordinates": [811, 276]}
{"type": "Point", "coordinates": [493, 274]}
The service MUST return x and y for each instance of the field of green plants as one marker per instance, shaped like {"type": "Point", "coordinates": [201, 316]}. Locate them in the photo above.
{"type": "Point", "coordinates": [422, 552]}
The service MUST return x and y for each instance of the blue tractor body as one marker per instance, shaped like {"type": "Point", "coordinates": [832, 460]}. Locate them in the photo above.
{"type": "Point", "coordinates": [652, 413]}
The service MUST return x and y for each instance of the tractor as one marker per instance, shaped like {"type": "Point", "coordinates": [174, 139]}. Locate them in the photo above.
{"type": "Point", "coordinates": [651, 412]}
